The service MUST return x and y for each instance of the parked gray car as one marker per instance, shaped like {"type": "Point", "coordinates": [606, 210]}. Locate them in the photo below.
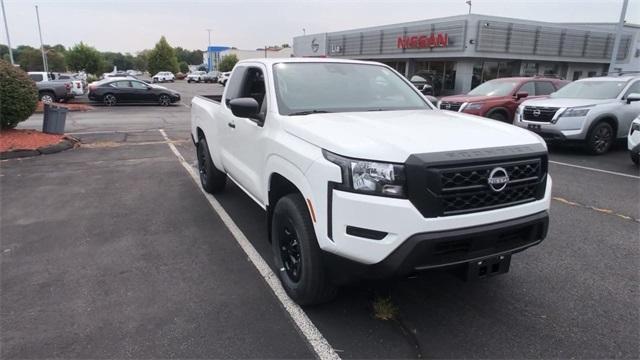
{"type": "Point", "coordinates": [50, 90]}
{"type": "Point", "coordinates": [595, 111]}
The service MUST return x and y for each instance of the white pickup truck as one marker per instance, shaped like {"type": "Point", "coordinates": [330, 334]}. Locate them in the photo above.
{"type": "Point", "coordinates": [361, 176]}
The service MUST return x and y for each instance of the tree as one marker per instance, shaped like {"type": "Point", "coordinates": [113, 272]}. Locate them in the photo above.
{"type": "Point", "coordinates": [84, 57]}
{"type": "Point", "coordinates": [29, 59]}
{"type": "Point", "coordinates": [56, 61]}
{"type": "Point", "coordinates": [184, 67]}
{"type": "Point", "coordinates": [227, 63]}
{"type": "Point", "coordinates": [191, 57]}
{"type": "Point", "coordinates": [162, 58]}
{"type": "Point", "coordinates": [18, 93]}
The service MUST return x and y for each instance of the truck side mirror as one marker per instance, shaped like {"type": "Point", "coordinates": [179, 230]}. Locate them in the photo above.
{"type": "Point", "coordinates": [244, 107]}
{"type": "Point", "coordinates": [521, 95]}
{"type": "Point", "coordinates": [633, 97]}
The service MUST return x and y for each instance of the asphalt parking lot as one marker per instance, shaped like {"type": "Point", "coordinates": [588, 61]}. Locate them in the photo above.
{"type": "Point", "coordinates": [112, 251]}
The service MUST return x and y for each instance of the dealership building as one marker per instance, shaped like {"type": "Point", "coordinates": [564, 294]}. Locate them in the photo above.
{"type": "Point", "coordinates": [461, 52]}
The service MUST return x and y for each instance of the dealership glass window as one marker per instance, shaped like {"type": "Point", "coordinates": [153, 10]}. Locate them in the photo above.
{"type": "Point", "coordinates": [529, 69]}
{"type": "Point", "coordinates": [398, 66]}
{"type": "Point", "coordinates": [591, 74]}
{"type": "Point", "coordinates": [441, 74]}
{"type": "Point", "coordinates": [577, 75]}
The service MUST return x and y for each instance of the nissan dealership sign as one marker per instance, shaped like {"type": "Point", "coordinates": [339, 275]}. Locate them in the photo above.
{"type": "Point", "coordinates": [423, 41]}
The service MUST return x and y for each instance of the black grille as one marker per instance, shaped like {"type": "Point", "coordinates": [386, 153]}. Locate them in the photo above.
{"type": "Point", "coordinates": [449, 105]}
{"type": "Point", "coordinates": [462, 187]}
{"type": "Point", "coordinates": [487, 200]}
{"type": "Point", "coordinates": [538, 113]}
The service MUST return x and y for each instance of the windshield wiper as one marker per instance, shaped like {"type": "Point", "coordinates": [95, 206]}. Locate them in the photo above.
{"type": "Point", "coordinates": [307, 112]}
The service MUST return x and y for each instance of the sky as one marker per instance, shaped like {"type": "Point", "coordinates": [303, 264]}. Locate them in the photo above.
{"type": "Point", "coordinates": [134, 25]}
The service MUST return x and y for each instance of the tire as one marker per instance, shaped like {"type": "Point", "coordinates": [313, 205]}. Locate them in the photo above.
{"type": "Point", "coordinates": [109, 100]}
{"type": "Point", "coordinates": [296, 253]}
{"type": "Point", "coordinates": [497, 116]}
{"type": "Point", "coordinates": [212, 180]}
{"type": "Point", "coordinates": [600, 138]}
{"type": "Point", "coordinates": [188, 81]}
{"type": "Point", "coordinates": [635, 157]}
{"type": "Point", "coordinates": [47, 97]}
{"type": "Point", "coordinates": [164, 100]}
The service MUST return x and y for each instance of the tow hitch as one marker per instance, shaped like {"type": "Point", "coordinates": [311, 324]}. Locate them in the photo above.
{"type": "Point", "coordinates": [487, 267]}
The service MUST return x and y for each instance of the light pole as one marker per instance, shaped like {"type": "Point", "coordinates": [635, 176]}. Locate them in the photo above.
{"type": "Point", "coordinates": [44, 56]}
{"type": "Point", "coordinates": [6, 28]}
{"type": "Point", "coordinates": [304, 31]}
{"type": "Point", "coordinates": [208, 50]}
{"type": "Point", "coordinates": [469, 3]}
{"type": "Point", "coordinates": [616, 44]}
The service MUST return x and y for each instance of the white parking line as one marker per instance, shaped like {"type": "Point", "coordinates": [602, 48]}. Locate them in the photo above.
{"type": "Point", "coordinates": [596, 170]}
{"type": "Point", "coordinates": [319, 344]}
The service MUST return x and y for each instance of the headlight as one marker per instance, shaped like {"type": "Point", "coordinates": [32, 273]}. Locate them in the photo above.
{"type": "Point", "coordinates": [473, 106]}
{"type": "Point", "coordinates": [576, 112]}
{"type": "Point", "coordinates": [519, 110]}
{"type": "Point", "coordinates": [370, 177]}
{"type": "Point", "coordinates": [438, 104]}
{"type": "Point", "coordinates": [634, 127]}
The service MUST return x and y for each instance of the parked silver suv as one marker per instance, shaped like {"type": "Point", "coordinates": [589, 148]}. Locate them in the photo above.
{"type": "Point", "coordinates": [596, 111]}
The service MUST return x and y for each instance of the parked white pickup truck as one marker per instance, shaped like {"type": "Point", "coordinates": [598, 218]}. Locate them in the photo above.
{"type": "Point", "coordinates": [361, 176]}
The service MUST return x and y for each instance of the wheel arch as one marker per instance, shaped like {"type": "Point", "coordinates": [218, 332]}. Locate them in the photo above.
{"type": "Point", "coordinates": [608, 118]}
{"type": "Point", "coordinates": [499, 110]}
{"type": "Point", "coordinates": [284, 178]}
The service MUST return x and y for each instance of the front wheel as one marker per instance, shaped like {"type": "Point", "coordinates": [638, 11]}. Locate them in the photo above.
{"type": "Point", "coordinates": [635, 157]}
{"type": "Point", "coordinates": [47, 97]}
{"type": "Point", "coordinates": [296, 253]}
{"type": "Point", "coordinates": [498, 116]}
{"type": "Point", "coordinates": [600, 138]}
{"type": "Point", "coordinates": [211, 179]}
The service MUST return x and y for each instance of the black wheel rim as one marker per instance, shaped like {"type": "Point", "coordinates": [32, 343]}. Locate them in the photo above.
{"type": "Point", "coordinates": [164, 100]}
{"type": "Point", "coordinates": [290, 250]}
{"type": "Point", "coordinates": [601, 139]}
{"type": "Point", "coordinates": [202, 162]}
{"type": "Point", "coordinates": [109, 100]}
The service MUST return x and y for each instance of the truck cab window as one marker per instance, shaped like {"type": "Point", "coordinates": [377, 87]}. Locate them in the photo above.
{"type": "Point", "coordinates": [253, 87]}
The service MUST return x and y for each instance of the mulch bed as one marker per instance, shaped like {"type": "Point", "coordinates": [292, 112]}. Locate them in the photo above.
{"type": "Point", "coordinates": [22, 143]}
{"type": "Point", "coordinates": [70, 106]}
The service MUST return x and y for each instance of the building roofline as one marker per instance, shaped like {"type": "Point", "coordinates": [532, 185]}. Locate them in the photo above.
{"type": "Point", "coordinates": [470, 16]}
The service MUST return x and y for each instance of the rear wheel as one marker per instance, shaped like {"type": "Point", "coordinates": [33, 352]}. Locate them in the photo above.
{"type": "Point", "coordinates": [164, 100]}
{"type": "Point", "coordinates": [296, 253]}
{"type": "Point", "coordinates": [47, 97]}
{"type": "Point", "coordinates": [109, 100]}
{"type": "Point", "coordinates": [600, 138]}
{"type": "Point", "coordinates": [211, 179]}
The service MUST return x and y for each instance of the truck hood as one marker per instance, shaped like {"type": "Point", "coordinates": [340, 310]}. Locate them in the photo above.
{"type": "Point", "coordinates": [566, 102]}
{"type": "Point", "coordinates": [395, 135]}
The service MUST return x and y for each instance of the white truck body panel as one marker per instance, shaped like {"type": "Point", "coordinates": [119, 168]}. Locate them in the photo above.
{"type": "Point", "coordinates": [292, 146]}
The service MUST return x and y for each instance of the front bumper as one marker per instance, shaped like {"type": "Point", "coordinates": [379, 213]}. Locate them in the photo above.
{"type": "Point", "coordinates": [449, 248]}
{"type": "Point", "coordinates": [564, 128]}
{"type": "Point", "coordinates": [398, 220]}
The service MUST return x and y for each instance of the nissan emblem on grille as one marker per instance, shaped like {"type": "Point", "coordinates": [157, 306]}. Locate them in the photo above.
{"type": "Point", "coordinates": [536, 112]}
{"type": "Point", "coordinates": [498, 179]}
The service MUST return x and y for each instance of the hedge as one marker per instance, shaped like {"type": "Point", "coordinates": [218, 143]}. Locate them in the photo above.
{"type": "Point", "coordinates": [18, 95]}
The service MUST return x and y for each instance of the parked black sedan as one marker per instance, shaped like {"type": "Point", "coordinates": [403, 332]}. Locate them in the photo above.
{"type": "Point", "coordinates": [126, 90]}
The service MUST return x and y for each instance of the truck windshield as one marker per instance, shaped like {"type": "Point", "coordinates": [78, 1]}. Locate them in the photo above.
{"type": "Point", "coordinates": [494, 88]}
{"type": "Point", "coordinates": [306, 88]}
{"type": "Point", "coordinates": [590, 90]}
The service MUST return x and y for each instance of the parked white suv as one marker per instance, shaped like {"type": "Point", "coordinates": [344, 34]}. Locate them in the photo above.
{"type": "Point", "coordinates": [633, 141]}
{"type": "Point", "coordinates": [595, 111]}
{"type": "Point", "coordinates": [163, 76]}
{"type": "Point", "coordinates": [361, 176]}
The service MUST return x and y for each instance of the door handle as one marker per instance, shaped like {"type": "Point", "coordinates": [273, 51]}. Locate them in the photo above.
{"type": "Point", "coordinates": [231, 125]}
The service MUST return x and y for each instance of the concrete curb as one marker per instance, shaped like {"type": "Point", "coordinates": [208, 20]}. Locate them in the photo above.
{"type": "Point", "coordinates": [67, 143]}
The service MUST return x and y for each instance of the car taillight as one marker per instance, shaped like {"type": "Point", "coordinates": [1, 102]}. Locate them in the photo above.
{"type": "Point", "coordinates": [78, 85]}
{"type": "Point", "coordinates": [92, 87]}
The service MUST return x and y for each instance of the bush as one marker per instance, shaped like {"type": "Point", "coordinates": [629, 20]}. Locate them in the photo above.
{"type": "Point", "coordinates": [91, 78]}
{"type": "Point", "coordinates": [227, 63]}
{"type": "Point", "coordinates": [184, 67]}
{"type": "Point", "coordinates": [18, 96]}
